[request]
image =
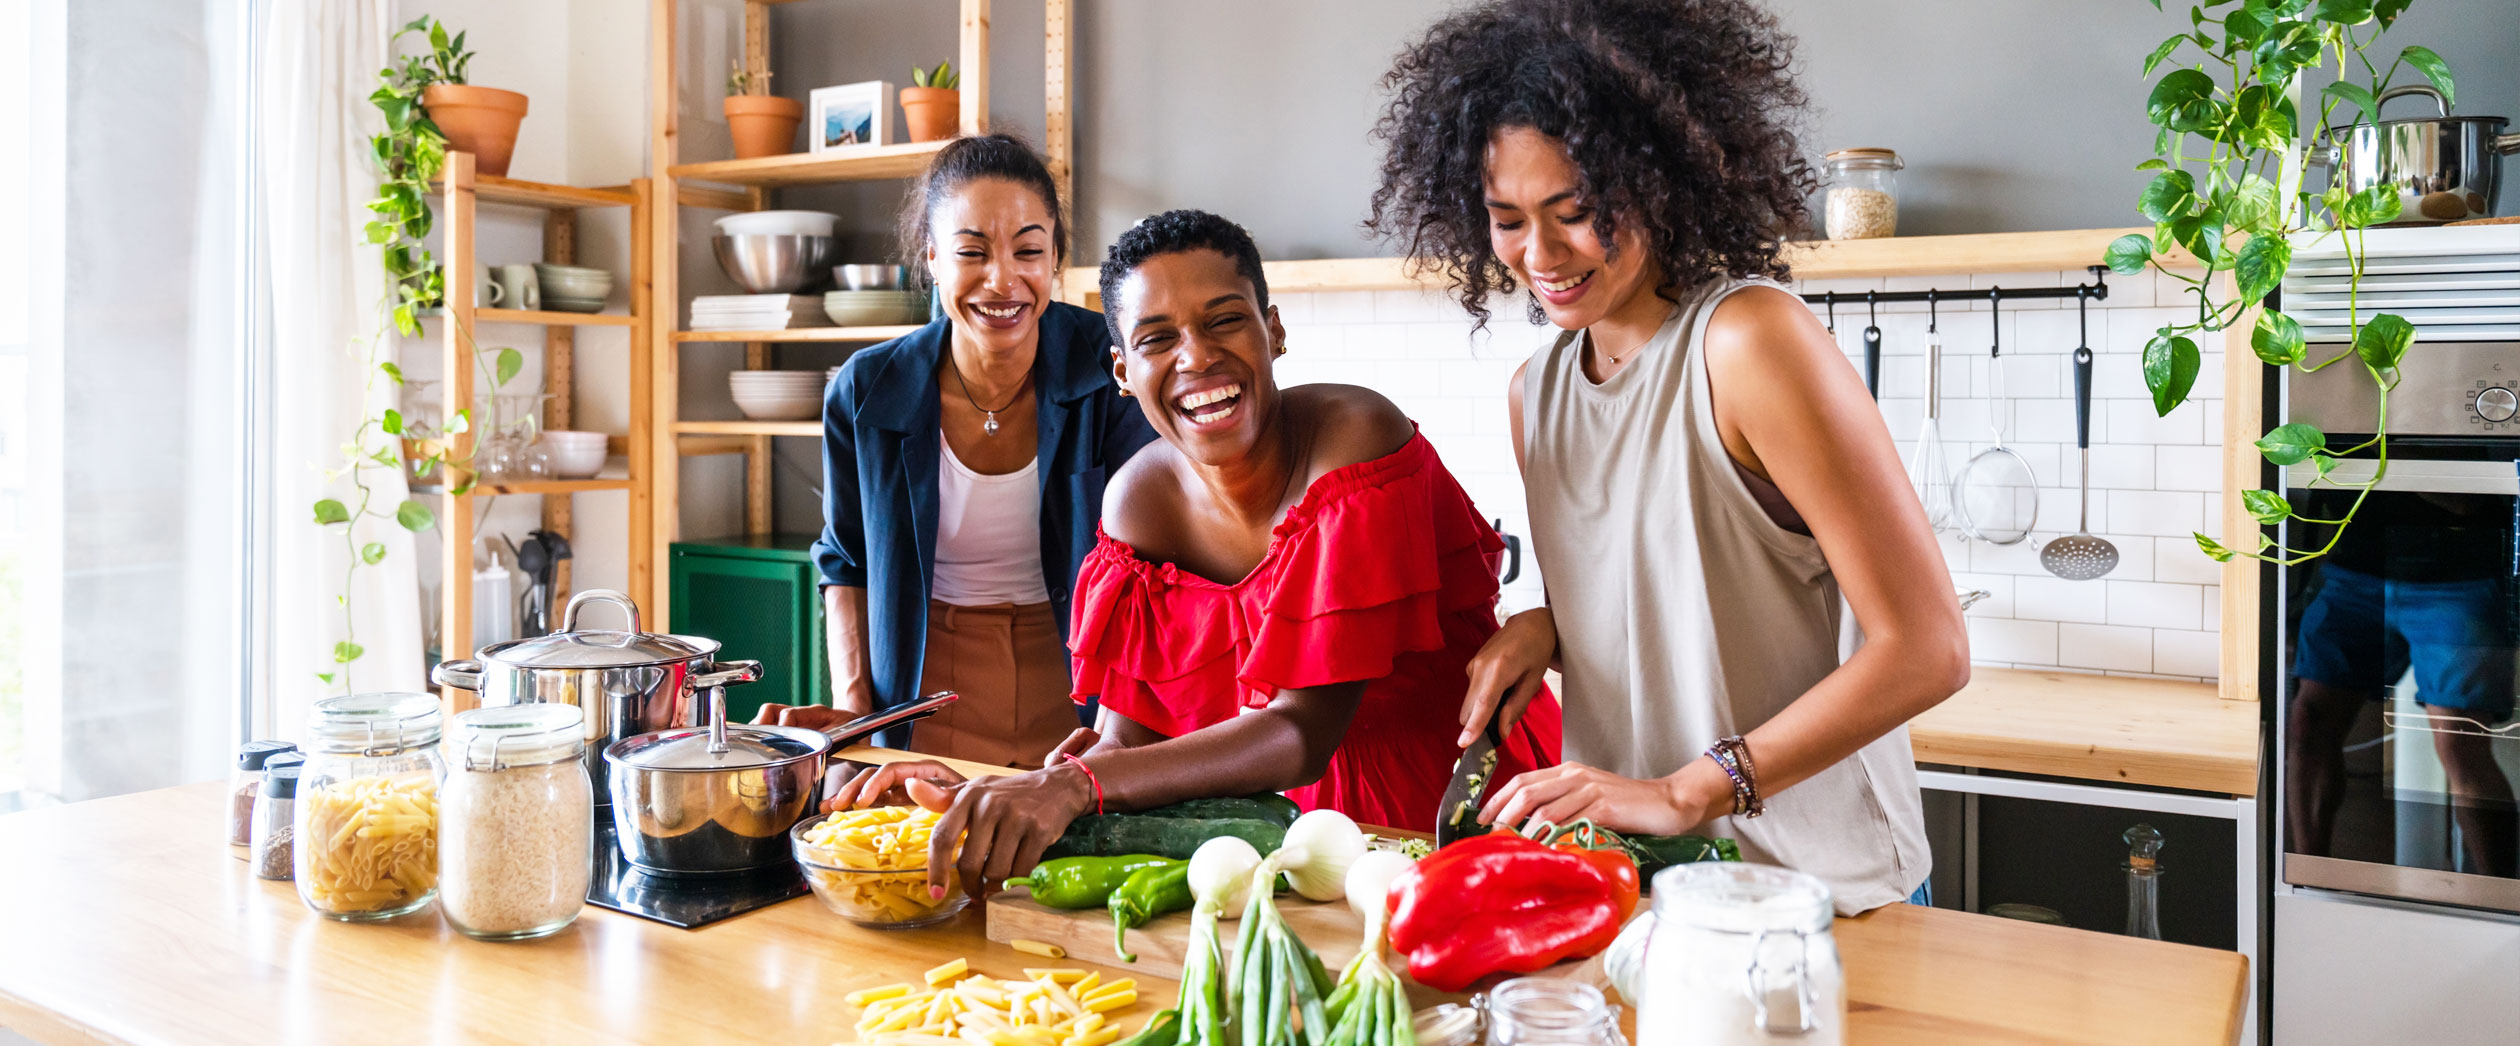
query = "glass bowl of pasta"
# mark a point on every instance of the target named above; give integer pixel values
(870, 867)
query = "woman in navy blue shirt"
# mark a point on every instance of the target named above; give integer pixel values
(963, 472)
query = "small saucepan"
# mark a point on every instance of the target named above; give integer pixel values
(2445, 168)
(721, 798)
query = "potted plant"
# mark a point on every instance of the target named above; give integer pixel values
(763, 124)
(478, 120)
(932, 105)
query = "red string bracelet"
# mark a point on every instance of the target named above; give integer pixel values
(1089, 775)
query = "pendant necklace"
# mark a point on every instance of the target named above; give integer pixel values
(989, 424)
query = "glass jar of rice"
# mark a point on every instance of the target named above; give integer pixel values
(367, 806)
(1863, 193)
(518, 821)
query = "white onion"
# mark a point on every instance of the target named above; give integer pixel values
(1319, 848)
(1220, 875)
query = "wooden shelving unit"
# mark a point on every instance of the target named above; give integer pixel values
(461, 192)
(727, 184)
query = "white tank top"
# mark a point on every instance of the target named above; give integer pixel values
(988, 534)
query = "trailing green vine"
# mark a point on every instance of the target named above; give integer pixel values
(2243, 182)
(409, 155)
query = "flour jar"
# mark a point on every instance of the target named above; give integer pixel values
(1740, 954)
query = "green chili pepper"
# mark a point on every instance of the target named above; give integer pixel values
(1087, 882)
(1149, 892)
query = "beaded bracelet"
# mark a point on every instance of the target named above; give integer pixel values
(1732, 755)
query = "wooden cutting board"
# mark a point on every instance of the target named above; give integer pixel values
(1332, 930)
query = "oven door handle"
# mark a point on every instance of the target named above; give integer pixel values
(2416, 476)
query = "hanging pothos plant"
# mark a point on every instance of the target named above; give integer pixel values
(2230, 192)
(409, 155)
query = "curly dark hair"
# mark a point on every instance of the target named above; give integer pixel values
(959, 163)
(1173, 232)
(1679, 114)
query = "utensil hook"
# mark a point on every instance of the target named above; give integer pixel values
(1872, 308)
(1995, 318)
(1832, 312)
(2082, 317)
(1933, 318)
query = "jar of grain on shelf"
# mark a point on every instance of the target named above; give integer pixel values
(1863, 193)
(517, 821)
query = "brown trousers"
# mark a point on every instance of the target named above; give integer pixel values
(1011, 669)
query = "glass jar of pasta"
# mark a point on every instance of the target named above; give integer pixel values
(367, 806)
(517, 821)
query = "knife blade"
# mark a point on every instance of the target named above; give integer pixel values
(1458, 817)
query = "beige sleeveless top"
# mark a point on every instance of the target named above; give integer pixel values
(1685, 614)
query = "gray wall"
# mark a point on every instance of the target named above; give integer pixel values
(2012, 114)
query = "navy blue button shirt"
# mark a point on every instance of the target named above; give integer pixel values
(881, 440)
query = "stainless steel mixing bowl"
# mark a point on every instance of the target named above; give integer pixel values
(763, 263)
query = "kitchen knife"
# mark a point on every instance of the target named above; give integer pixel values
(1458, 818)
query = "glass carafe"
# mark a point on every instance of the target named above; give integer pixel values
(2143, 881)
(366, 815)
(1741, 953)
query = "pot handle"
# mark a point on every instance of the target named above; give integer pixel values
(727, 673)
(462, 675)
(568, 616)
(2441, 106)
(2507, 144)
(858, 729)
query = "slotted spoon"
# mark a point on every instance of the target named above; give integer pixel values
(2080, 556)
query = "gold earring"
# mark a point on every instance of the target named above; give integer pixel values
(1281, 349)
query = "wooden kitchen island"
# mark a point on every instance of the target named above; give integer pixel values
(125, 920)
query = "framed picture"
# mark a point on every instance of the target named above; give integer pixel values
(851, 115)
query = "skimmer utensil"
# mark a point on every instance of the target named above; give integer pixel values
(1995, 494)
(1928, 470)
(2079, 556)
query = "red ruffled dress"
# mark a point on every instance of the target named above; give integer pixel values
(1385, 573)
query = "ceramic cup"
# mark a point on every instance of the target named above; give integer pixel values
(516, 286)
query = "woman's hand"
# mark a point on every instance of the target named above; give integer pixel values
(1510, 666)
(1004, 823)
(886, 785)
(1660, 806)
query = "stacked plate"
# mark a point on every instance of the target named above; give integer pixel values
(574, 455)
(777, 395)
(755, 312)
(573, 288)
(779, 223)
(876, 308)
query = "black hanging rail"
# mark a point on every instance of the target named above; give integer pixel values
(2097, 289)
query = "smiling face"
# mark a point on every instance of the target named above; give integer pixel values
(1196, 351)
(1542, 229)
(991, 253)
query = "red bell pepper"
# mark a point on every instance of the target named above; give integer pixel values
(1500, 904)
(1607, 852)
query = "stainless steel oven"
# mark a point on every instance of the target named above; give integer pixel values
(2399, 646)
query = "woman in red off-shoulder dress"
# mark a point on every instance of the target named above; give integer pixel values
(1286, 595)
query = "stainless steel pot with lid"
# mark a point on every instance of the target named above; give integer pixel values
(2445, 167)
(721, 798)
(627, 682)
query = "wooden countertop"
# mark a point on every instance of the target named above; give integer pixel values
(126, 921)
(2100, 728)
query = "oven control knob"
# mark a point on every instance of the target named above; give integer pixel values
(2497, 404)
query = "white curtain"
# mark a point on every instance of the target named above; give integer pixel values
(317, 63)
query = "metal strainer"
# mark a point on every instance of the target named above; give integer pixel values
(2079, 556)
(1995, 496)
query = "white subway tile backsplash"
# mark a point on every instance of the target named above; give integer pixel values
(2050, 598)
(1342, 307)
(2111, 647)
(2154, 604)
(2012, 641)
(2156, 513)
(2177, 559)
(2180, 652)
(2188, 468)
(2134, 421)
(2116, 467)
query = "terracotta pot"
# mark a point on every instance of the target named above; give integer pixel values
(478, 120)
(931, 113)
(763, 125)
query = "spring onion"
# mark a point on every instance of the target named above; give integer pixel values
(1370, 1006)
(1319, 848)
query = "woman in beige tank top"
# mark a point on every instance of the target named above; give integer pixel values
(1711, 490)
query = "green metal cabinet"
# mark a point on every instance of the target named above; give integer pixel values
(759, 595)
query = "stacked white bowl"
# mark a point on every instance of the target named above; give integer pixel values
(779, 223)
(777, 395)
(574, 455)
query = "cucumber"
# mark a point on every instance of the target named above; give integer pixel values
(1110, 835)
(1654, 853)
(1265, 806)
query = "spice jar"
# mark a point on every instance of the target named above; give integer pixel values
(275, 821)
(1741, 953)
(367, 807)
(246, 784)
(1548, 1011)
(1863, 193)
(516, 821)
